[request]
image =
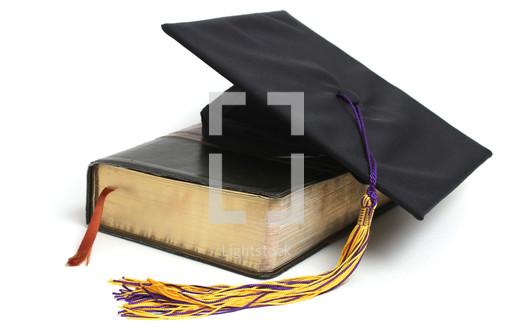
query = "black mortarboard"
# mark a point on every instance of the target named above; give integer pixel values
(420, 157)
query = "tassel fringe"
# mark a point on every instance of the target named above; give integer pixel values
(150, 299)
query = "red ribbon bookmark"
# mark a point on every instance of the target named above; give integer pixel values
(84, 251)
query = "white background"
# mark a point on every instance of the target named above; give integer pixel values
(82, 80)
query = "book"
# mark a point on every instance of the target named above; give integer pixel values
(162, 200)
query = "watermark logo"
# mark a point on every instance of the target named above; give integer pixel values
(296, 102)
(245, 252)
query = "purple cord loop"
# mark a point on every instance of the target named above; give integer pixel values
(372, 164)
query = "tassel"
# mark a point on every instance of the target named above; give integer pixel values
(150, 299)
(84, 251)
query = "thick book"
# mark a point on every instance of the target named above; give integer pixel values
(162, 199)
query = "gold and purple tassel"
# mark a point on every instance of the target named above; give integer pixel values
(150, 299)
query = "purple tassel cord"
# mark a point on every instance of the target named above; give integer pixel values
(372, 163)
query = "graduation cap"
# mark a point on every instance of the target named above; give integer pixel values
(348, 113)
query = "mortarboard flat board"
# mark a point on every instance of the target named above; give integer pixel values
(420, 157)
